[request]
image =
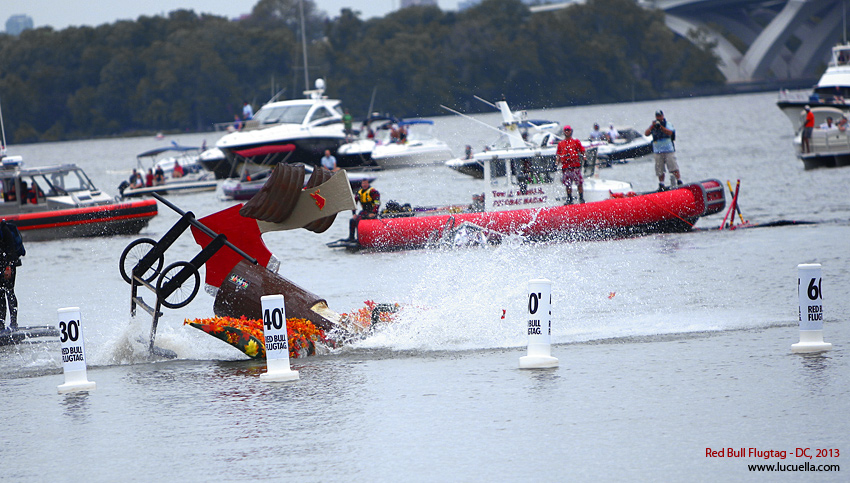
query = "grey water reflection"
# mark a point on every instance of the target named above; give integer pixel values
(815, 371)
(75, 406)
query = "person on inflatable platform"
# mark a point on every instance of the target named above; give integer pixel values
(370, 202)
(570, 153)
(663, 135)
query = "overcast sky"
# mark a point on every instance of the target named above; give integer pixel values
(60, 14)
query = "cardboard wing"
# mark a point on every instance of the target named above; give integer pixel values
(313, 204)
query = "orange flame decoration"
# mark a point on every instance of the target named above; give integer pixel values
(247, 334)
(319, 199)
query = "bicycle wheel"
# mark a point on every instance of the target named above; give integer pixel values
(131, 256)
(175, 279)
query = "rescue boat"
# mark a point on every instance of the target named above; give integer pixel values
(532, 203)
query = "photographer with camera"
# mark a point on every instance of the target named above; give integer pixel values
(663, 135)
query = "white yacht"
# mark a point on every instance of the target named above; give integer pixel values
(298, 129)
(416, 147)
(832, 90)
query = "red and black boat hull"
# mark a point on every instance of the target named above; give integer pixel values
(125, 218)
(661, 212)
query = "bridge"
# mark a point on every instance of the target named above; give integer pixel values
(757, 40)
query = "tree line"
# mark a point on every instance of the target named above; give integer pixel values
(185, 72)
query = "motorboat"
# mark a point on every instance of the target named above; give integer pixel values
(250, 184)
(829, 147)
(414, 145)
(60, 201)
(374, 130)
(832, 90)
(214, 161)
(298, 128)
(165, 160)
(630, 144)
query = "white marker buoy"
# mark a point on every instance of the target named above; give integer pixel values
(73, 352)
(539, 325)
(276, 341)
(811, 309)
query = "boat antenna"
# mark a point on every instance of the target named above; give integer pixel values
(304, 46)
(3, 129)
(480, 122)
(485, 101)
(372, 102)
(276, 96)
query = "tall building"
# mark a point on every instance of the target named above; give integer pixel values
(464, 4)
(18, 23)
(411, 3)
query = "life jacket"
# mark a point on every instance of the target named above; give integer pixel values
(368, 201)
(365, 196)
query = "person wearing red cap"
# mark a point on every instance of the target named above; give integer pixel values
(570, 153)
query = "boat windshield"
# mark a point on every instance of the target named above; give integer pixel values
(282, 114)
(59, 183)
(841, 55)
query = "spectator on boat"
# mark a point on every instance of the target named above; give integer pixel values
(663, 135)
(402, 134)
(370, 202)
(237, 123)
(329, 162)
(158, 176)
(178, 170)
(468, 152)
(136, 180)
(10, 260)
(828, 125)
(149, 178)
(247, 111)
(612, 134)
(25, 192)
(570, 153)
(842, 123)
(596, 134)
(346, 125)
(477, 205)
(808, 126)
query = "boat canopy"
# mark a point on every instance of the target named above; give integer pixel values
(411, 122)
(535, 123)
(174, 147)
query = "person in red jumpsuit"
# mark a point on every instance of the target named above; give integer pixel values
(570, 154)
